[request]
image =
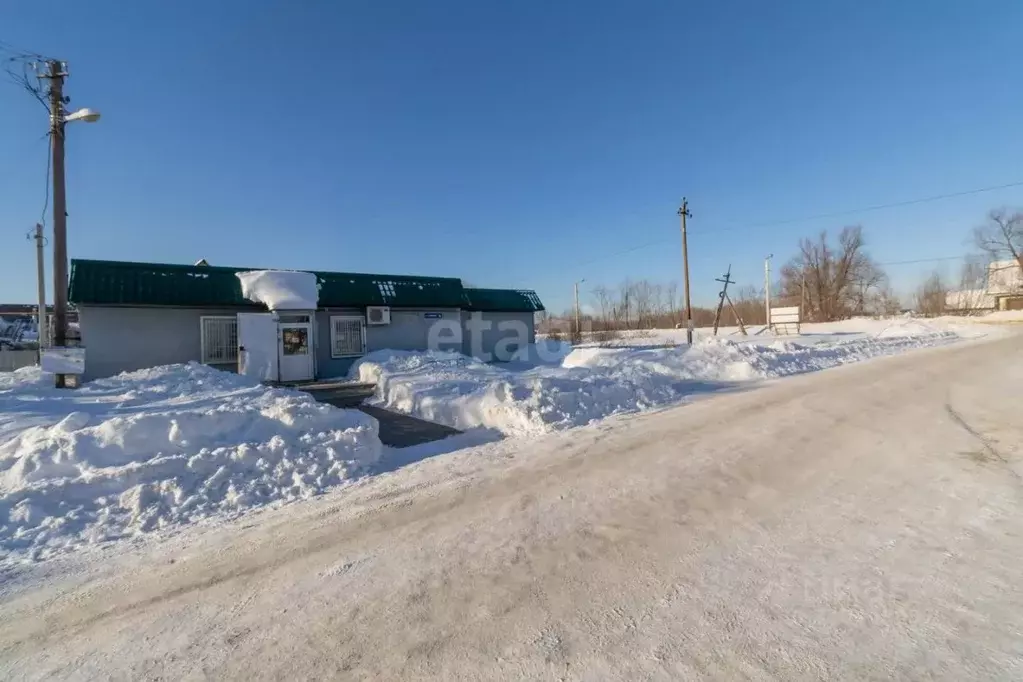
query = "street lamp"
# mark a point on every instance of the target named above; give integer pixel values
(87, 115)
(56, 72)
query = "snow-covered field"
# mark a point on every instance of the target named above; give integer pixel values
(557, 387)
(823, 332)
(133, 455)
(156, 448)
(861, 524)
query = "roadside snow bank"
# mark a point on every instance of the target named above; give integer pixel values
(159, 447)
(593, 383)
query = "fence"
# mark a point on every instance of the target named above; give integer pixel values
(11, 360)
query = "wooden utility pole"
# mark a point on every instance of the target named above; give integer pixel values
(802, 295)
(578, 332)
(738, 320)
(683, 212)
(722, 296)
(41, 285)
(56, 74)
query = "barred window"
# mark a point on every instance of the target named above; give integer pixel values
(347, 336)
(219, 339)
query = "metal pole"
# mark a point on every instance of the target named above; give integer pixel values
(56, 76)
(767, 289)
(41, 285)
(684, 213)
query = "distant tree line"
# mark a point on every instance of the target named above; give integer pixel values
(829, 278)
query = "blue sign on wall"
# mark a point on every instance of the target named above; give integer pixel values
(433, 316)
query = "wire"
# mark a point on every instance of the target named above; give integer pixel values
(868, 209)
(927, 260)
(46, 190)
(17, 52)
(819, 216)
(25, 82)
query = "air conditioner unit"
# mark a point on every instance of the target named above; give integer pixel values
(378, 314)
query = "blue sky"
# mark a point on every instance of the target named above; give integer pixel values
(515, 144)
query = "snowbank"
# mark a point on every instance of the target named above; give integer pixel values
(154, 448)
(281, 289)
(593, 383)
(1003, 316)
(827, 332)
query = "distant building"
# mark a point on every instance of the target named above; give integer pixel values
(1003, 291)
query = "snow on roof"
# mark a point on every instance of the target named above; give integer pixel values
(280, 289)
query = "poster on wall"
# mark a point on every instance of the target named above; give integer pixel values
(61, 360)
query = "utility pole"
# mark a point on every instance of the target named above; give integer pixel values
(55, 74)
(578, 326)
(738, 320)
(722, 296)
(767, 289)
(802, 294)
(683, 212)
(41, 285)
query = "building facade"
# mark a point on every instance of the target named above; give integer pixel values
(138, 315)
(1003, 290)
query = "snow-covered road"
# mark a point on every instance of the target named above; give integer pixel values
(860, 523)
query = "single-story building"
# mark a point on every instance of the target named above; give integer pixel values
(1003, 290)
(138, 315)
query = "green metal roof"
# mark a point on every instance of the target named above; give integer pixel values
(502, 300)
(99, 282)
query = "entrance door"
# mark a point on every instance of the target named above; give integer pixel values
(257, 346)
(296, 348)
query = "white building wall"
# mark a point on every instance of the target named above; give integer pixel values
(1004, 277)
(124, 339)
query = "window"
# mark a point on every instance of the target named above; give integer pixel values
(219, 340)
(295, 341)
(347, 336)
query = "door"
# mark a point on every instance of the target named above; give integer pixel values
(296, 348)
(257, 346)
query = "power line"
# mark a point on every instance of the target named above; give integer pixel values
(928, 260)
(46, 186)
(819, 216)
(23, 80)
(876, 207)
(17, 52)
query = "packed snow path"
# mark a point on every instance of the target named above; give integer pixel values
(860, 523)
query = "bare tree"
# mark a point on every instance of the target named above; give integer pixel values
(883, 302)
(837, 280)
(674, 304)
(1001, 236)
(930, 295)
(972, 293)
(748, 301)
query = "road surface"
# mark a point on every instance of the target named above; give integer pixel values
(859, 523)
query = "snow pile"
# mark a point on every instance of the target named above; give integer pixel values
(280, 289)
(593, 383)
(159, 447)
(1003, 316)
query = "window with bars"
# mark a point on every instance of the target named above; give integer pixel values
(347, 336)
(219, 339)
